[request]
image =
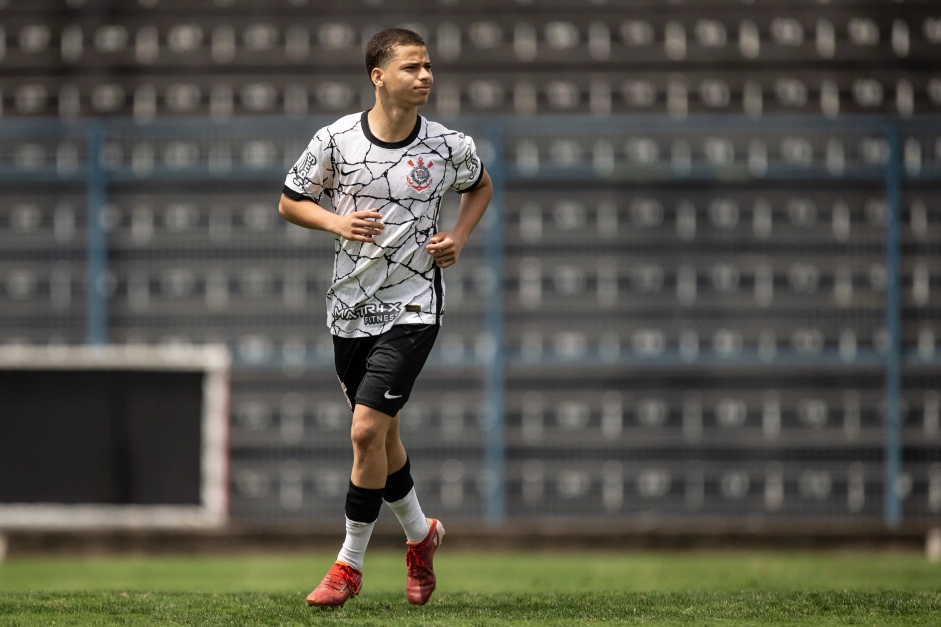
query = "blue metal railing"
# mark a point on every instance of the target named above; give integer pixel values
(97, 240)
(893, 323)
(495, 380)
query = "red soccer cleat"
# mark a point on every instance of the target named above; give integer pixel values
(341, 582)
(421, 580)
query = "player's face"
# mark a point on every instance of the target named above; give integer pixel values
(407, 77)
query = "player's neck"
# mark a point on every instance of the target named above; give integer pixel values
(392, 124)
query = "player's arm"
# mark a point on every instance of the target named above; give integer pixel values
(360, 226)
(447, 247)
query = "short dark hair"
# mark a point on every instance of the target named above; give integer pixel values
(381, 47)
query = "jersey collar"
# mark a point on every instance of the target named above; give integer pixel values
(364, 121)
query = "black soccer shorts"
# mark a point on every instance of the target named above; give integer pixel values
(379, 371)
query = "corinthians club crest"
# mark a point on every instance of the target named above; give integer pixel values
(420, 176)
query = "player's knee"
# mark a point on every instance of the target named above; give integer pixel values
(367, 437)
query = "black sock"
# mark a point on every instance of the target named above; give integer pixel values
(363, 504)
(399, 483)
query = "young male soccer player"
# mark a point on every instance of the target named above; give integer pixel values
(385, 171)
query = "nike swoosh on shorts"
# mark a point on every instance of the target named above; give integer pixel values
(391, 396)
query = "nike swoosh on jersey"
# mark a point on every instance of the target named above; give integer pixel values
(348, 171)
(391, 396)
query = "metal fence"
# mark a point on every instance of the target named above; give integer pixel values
(709, 318)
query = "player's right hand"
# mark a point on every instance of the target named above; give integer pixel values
(361, 226)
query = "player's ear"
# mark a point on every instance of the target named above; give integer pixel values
(376, 76)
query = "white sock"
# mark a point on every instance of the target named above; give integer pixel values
(412, 519)
(354, 546)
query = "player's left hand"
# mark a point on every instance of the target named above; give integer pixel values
(445, 248)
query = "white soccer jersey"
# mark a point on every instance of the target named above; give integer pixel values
(395, 280)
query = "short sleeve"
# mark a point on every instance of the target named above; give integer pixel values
(469, 168)
(311, 177)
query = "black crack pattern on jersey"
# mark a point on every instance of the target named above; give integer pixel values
(372, 283)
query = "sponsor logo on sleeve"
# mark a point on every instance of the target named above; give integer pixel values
(302, 169)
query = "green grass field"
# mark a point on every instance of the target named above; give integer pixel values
(697, 588)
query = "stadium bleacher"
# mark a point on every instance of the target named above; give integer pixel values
(694, 306)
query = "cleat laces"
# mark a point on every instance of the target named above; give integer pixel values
(414, 561)
(339, 576)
